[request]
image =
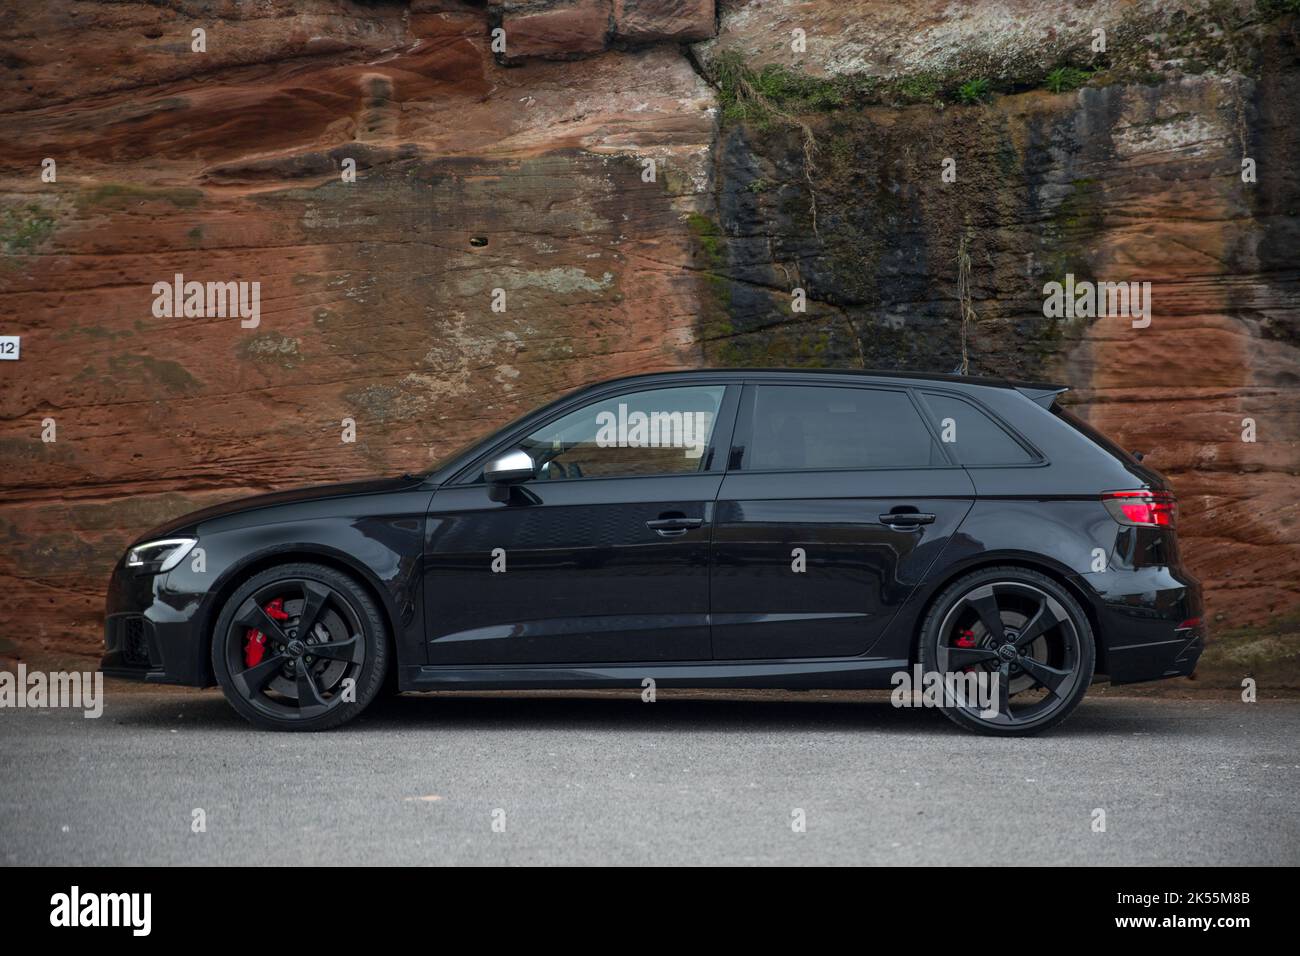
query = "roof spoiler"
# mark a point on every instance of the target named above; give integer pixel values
(1043, 395)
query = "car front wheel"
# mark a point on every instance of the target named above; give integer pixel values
(300, 647)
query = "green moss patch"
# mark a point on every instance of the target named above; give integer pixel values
(121, 195)
(24, 228)
(1268, 652)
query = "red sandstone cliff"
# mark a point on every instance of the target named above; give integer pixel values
(524, 169)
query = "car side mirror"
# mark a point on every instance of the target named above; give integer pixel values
(509, 468)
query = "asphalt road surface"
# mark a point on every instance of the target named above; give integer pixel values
(606, 779)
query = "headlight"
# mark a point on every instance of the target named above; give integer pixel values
(156, 557)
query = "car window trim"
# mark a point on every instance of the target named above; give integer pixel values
(470, 474)
(1036, 458)
(744, 428)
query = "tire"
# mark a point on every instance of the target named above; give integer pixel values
(956, 639)
(296, 680)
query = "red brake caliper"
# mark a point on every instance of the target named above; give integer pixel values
(255, 642)
(966, 639)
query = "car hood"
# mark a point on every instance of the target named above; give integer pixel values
(347, 489)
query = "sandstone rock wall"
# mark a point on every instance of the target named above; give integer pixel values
(776, 164)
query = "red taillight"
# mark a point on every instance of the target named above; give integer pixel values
(1152, 509)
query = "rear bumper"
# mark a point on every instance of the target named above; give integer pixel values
(1175, 657)
(1152, 623)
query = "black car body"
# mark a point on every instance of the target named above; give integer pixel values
(565, 579)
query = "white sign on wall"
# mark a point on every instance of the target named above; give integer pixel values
(9, 346)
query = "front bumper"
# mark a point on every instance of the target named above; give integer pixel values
(150, 633)
(131, 649)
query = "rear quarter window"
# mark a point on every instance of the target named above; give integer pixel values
(1096, 437)
(972, 435)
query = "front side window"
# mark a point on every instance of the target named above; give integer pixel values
(798, 427)
(661, 432)
(976, 438)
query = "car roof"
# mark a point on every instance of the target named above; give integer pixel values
(783, 373)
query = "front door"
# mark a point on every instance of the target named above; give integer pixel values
(837, 500)
(602, 557)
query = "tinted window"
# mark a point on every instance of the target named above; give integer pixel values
(976, 438)
(808, 426)
(1079, 425)
(661, 432)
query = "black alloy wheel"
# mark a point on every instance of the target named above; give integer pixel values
(1014, 649)
(300, 647)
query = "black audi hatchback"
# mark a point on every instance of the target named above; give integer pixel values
(787, 529)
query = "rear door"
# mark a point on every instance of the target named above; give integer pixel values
(837, 499)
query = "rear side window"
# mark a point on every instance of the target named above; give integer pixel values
(975, 437)
(814, 427)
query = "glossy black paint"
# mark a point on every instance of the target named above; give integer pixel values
(594, 595)
(586, 579)
(860, 570)
(374, 530)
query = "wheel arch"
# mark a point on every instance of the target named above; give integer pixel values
(257, 563)
(1057, 572)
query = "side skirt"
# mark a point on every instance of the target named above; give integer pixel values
(865, 673)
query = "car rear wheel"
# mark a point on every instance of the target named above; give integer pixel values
(300, 647)
(1013, 648)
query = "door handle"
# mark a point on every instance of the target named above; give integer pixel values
(906, 519)
(672, 527)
